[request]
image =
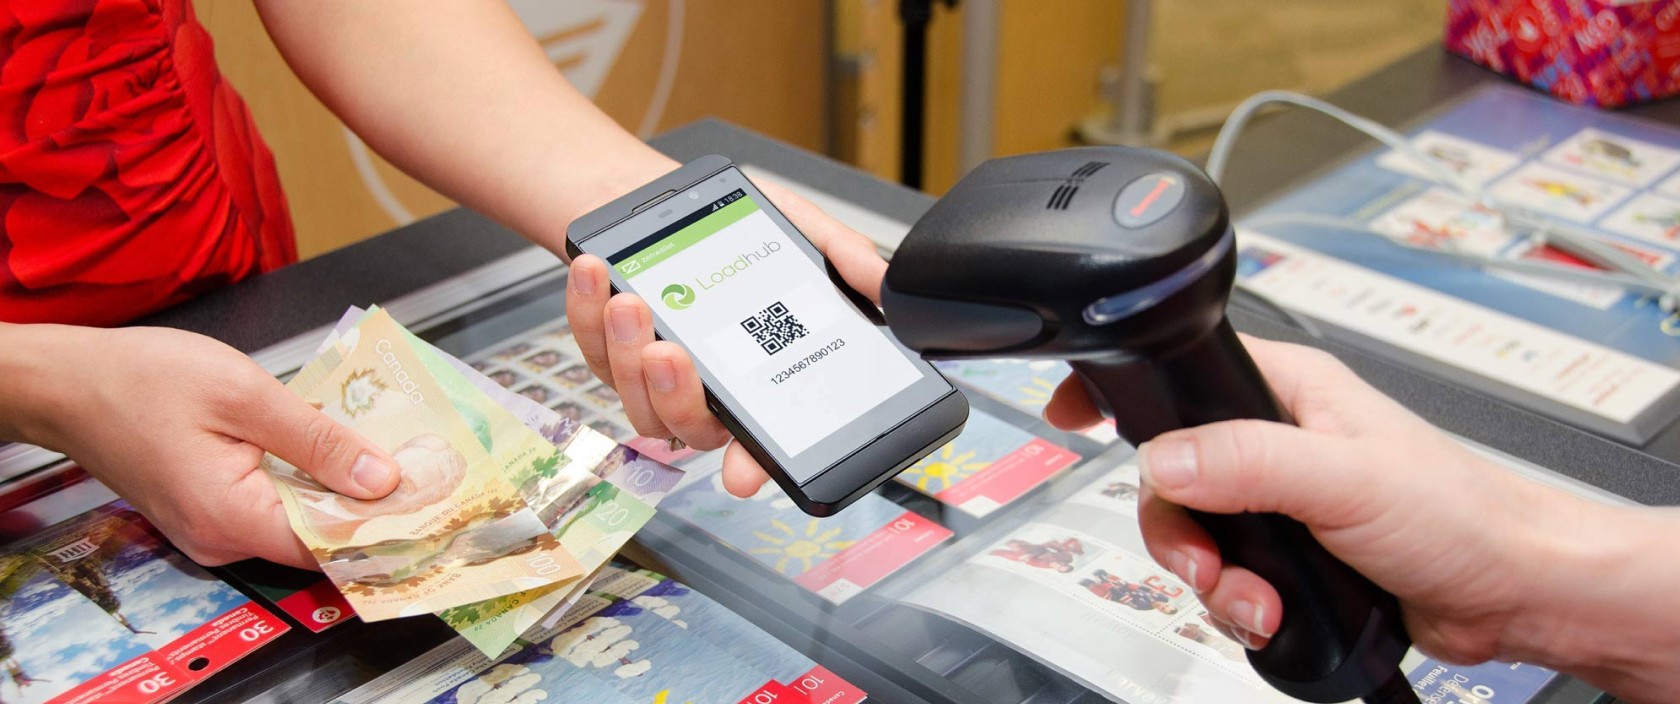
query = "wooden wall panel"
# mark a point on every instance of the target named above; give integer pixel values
(1049, 56)
(868, 45)
(758, 63)
(943, 129)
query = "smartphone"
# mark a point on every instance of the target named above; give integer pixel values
(797, 365)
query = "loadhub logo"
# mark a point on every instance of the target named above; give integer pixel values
(739, 264)
(677, 297)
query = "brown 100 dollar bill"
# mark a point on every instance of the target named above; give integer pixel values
(455, 531)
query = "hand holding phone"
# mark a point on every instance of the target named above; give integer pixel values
(679, 408)
(834, 430)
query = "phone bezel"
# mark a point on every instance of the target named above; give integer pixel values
(855, 457)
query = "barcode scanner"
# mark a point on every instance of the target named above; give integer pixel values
(1121, 261)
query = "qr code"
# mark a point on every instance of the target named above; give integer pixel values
(774, 328)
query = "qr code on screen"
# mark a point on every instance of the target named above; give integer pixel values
(774, 328)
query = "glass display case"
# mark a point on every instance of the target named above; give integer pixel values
(1006, 568)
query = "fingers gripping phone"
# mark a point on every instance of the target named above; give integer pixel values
(798, 366)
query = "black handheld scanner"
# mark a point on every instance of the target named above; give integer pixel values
(1121, 261)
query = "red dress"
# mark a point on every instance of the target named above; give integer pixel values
(131, 175)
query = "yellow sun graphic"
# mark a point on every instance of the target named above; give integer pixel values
(1036, 393)
(358, 392)
(944, 469)
(796, 551)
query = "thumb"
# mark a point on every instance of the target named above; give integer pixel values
(858, 262)
(336, 456)
(1262, 467)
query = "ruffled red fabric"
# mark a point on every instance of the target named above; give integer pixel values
(131, 174)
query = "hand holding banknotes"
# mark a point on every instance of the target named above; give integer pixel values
(1487, 564)
(177, 424)
(483, 506)
(506, 507)
(662, 393)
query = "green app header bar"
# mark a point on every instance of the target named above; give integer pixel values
(686, 237)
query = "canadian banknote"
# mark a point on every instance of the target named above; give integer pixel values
(455, 531)
(591, 518)
(593, 496)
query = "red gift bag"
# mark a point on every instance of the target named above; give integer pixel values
(1602, 53)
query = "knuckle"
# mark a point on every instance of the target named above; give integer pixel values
(1245, 451)
(584, 319)
(607, 380)
(691, 416)
(600, 366)
(667, 352)
(228, 382)
(645, 420)
(626, 368)
(220, 359)
(623, 301)
(648, 427)
(707, 435)
(576, 299)
(323, 439)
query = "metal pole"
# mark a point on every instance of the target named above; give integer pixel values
(1130, 88)
(915, 16)
(979, 83)
(1135, 112)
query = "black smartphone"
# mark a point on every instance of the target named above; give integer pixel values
(797, 365)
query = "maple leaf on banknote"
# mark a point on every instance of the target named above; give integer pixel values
(546, 466)
(359, 391)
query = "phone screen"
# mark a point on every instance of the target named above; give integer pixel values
(763, 318)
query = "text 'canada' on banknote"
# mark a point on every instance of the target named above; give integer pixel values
(455, 531)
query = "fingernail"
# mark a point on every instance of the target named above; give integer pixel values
(661, 375)
(1184, 568)
(1243, 638)
(626, 326)
(583, 283)
(370, 473)
(1250, 617)
(1168, 463)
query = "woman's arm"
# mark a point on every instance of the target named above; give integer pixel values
(24, 352)
(458, 94)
